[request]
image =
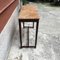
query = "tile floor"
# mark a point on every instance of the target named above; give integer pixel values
(48, 44)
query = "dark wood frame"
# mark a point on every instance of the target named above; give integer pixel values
(28, 20)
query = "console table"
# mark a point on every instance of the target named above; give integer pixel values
(28, 13)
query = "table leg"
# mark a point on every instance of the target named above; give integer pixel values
(37, 23)
(28, 36)
(20, 34)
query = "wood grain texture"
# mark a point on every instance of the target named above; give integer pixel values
(4, 4)
(5, 15)
(29, 12)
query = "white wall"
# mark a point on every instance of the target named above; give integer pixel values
(7, 34)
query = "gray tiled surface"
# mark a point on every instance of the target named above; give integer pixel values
(50, 19)
(48, 45)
